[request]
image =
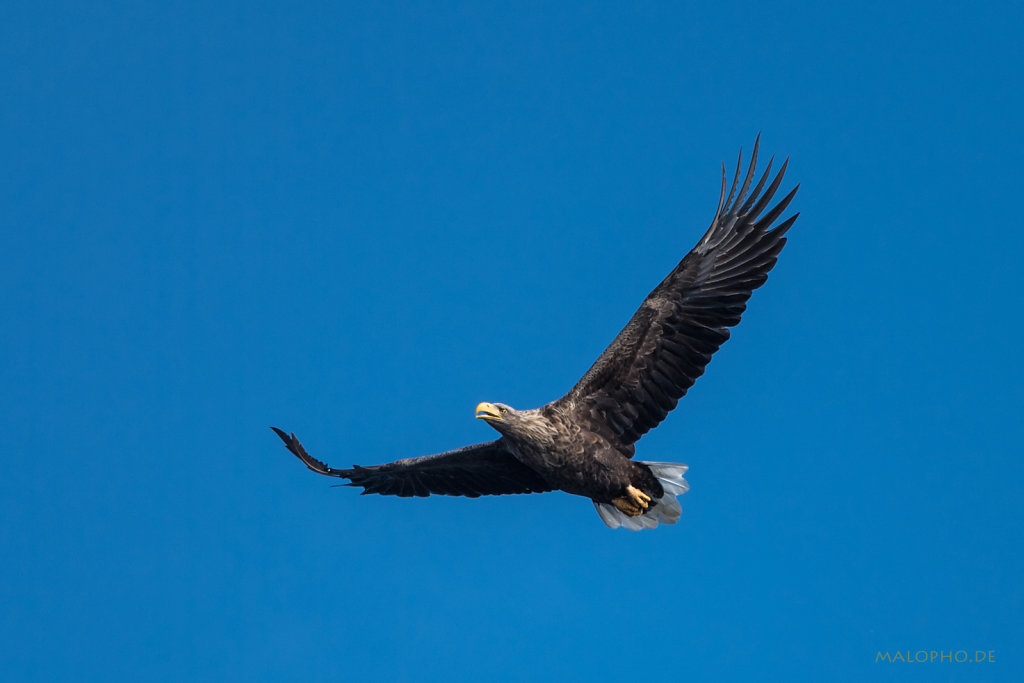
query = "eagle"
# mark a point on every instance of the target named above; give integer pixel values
(584, 442)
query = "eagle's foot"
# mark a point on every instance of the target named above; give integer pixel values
(635, 503)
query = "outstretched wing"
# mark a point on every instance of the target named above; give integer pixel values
(486, 469)
(669, 340)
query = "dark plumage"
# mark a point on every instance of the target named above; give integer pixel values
(584, 442)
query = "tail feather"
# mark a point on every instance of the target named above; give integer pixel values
(667, 511)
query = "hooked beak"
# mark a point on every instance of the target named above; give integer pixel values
(487, 411)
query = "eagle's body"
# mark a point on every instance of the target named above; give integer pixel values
(584, 442)
(575, 460)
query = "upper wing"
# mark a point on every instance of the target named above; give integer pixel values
(486, 469)
(669, 340)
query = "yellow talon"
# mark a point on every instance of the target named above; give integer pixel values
(641, 499)
(625, 505)
(635, 503)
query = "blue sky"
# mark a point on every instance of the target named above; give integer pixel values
(358, 222)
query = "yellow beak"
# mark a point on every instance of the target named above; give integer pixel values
(487, 411)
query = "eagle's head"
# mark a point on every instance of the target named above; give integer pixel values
(519, 424)
(500, 416)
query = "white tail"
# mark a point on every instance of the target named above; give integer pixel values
(667, 511)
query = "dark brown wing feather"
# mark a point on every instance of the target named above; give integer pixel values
(486, 469)
(667, 344)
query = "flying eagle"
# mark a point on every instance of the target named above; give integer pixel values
(583, 443)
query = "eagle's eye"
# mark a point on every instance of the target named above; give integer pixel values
(504, 411)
